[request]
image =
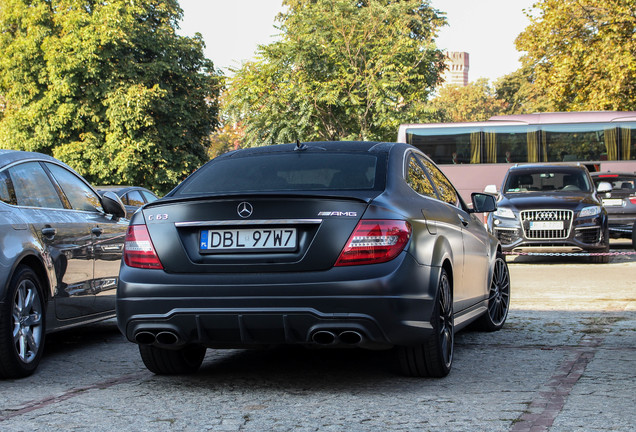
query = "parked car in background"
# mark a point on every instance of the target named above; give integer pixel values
(550, 208)
(620, 201)
(133, 197)
(327, 244)
(60, 256)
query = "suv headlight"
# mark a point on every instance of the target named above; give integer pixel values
(589, 211)
(504, 212)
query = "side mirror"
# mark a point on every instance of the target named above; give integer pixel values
(491, 189)
(604, 187)
(483, 203)
(113, 205)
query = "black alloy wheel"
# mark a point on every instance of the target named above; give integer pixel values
(22, 325)
(434, 358)
(185, 360)
(498, 296)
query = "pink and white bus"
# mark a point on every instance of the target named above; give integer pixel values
(476, 154)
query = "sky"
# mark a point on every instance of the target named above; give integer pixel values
(486, 29)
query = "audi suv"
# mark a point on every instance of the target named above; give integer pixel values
(550, 209)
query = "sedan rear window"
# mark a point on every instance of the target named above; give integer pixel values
(618, 182)
(298, 171)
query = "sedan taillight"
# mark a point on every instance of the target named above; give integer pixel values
(138, 249)
(632, 200)
(375, 241)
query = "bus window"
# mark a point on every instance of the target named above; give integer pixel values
(580, 142)
(446, 145)
(628, 141)
(507, 144)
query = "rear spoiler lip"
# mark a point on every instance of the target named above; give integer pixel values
(344, 195)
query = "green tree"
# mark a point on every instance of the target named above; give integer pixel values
(474, 102)
(106, 86)
(581, 53)
(520, 93)
(342, 69)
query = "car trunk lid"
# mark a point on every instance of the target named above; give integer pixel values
(252, 233)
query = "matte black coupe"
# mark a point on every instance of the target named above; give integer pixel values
(326, 244)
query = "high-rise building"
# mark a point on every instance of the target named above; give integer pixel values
(457, 72)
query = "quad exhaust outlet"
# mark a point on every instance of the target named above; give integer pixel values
(160, 336)
(345, 337)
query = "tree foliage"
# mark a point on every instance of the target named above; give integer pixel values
(106, 86)
(520, 93)
(475, 102)
(581, 53)
(342, 69)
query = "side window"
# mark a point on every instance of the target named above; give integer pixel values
(33, 187)
(135, 199)
(417, 179)
(79, 194)
(444, 187)
(149, 197)
(7, 194)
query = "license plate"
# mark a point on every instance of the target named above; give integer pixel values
(613, 202)
(546, 225)
(248, 240)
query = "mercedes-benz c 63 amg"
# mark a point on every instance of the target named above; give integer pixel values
(320, 244)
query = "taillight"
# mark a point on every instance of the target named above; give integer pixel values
(375, 241)
(138, 249)
(632, 200)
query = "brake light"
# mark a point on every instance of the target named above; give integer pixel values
(375, 241)
(138, 249)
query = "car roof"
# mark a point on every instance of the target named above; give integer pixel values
(613, 173)
(8, 157)
(552, 166)
(315, 146)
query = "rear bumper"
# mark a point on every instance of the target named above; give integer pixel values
(371, 306)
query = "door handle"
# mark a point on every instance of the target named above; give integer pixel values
(49, 232)
(97, 231)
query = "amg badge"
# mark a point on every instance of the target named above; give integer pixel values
(337, 213)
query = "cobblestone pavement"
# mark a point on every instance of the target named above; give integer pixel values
(565, 361)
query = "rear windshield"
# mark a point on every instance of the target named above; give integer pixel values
(617, 181)
(298, 171)
(547, 181)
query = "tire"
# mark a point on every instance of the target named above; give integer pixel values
(434, 357)
(22, 325)
(181, 361)
(498, 296)
(603, 259)
(634, 236)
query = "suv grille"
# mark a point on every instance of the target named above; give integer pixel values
(546, 224)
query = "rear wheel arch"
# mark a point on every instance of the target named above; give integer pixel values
(36, 264)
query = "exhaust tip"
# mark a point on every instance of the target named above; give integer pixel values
(323, 337)
(144, 338)
(350, 337)
(167, 338)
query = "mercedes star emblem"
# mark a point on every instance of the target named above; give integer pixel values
(245, 209)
